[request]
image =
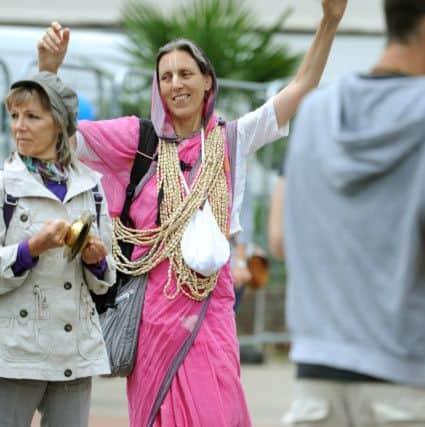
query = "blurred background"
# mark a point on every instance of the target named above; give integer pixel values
(255, 47)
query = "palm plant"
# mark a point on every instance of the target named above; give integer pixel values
(225, 29)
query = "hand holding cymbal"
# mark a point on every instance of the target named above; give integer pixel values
(77, 236)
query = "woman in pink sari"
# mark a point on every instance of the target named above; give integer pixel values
(200, 161)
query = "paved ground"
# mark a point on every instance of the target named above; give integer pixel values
(268, 388)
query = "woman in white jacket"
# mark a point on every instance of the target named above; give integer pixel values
(50, 338)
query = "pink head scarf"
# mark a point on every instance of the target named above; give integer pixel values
(159, 112)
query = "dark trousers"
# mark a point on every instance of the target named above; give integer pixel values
(60, 403)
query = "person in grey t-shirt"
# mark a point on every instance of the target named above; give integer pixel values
(354, 239)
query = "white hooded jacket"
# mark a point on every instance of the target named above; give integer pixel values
(49, 327)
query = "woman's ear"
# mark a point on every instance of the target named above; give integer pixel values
(208, 83)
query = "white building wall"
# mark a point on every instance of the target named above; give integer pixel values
(362, 15)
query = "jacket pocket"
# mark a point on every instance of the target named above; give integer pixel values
(90, 339)
(25, 340)
(306, 410)
(5, 323)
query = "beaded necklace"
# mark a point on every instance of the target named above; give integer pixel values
(176, 210)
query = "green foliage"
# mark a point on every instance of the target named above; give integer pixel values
(225, 29)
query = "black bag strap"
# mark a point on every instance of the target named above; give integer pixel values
(98, 199)
(9, 206)
(148, 142)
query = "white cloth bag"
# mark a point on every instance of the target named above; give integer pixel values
(204, 247)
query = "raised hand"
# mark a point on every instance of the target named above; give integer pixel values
(51, 236)
(334, 9)
(310, 71)
(94, 251)
(52, 47)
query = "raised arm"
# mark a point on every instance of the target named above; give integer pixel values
(52, 48)
(308, 76)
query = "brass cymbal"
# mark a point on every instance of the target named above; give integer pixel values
(77, 236)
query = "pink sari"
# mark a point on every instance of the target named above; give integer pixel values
(206, 390)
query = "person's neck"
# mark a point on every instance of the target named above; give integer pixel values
(186, 128)
(401, 59)
(46, 159)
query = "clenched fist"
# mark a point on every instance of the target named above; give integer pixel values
(94, 251)
(52, 47)
(334, 9)
(51, 236)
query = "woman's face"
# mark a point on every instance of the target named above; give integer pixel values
(182, 85)
(33, 128)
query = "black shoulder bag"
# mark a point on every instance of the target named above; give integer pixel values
(120, 310)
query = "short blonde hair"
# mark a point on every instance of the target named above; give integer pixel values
(21, 94)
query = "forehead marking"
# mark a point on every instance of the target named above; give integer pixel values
(172, 65)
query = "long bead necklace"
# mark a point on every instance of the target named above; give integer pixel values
(177, 207)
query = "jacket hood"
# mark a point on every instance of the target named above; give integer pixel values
(374, 123)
